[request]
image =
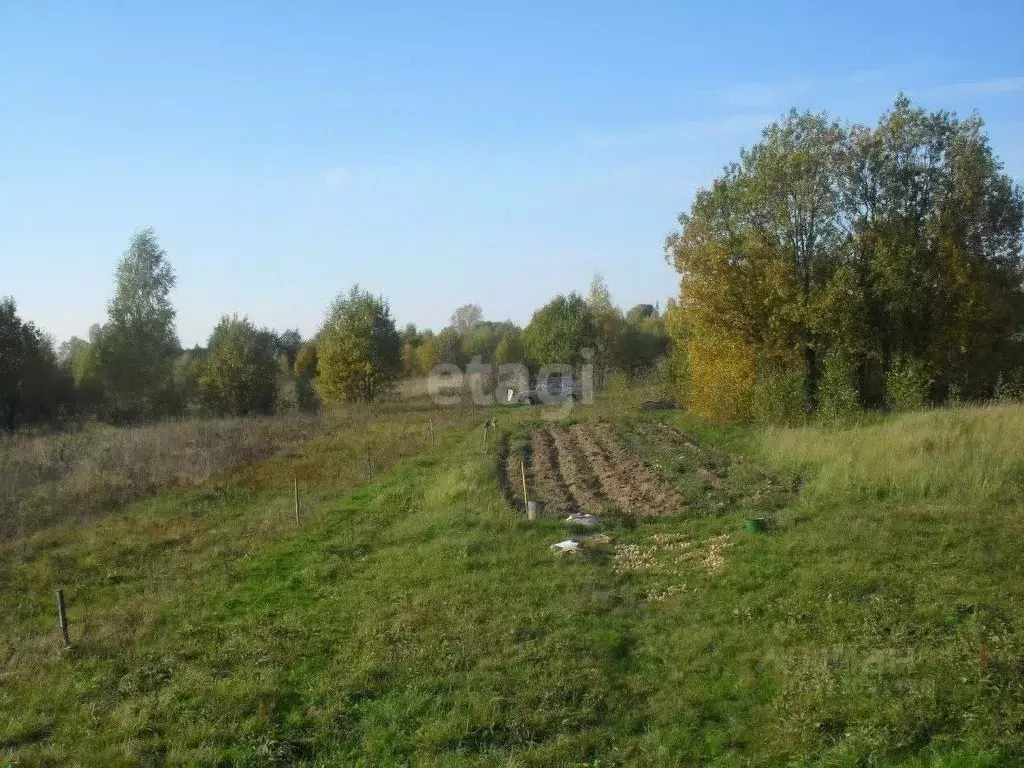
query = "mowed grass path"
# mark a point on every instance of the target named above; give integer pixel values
(417, 620)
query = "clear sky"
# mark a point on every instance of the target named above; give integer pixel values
(436, 153)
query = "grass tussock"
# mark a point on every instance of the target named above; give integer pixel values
(965, 455)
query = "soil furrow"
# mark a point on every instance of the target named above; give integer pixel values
(660, 496)
(577, 483)
(615, 486)
(550, 486)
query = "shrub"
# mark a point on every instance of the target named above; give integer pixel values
(721, 378)
(838, 400)
(240, 374)
(955, 395)
(1009, 388)
(906, 385)
(779, 397)
(670, 377)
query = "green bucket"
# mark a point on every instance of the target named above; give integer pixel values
(756, 525)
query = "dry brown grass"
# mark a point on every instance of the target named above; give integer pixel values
(77, 476)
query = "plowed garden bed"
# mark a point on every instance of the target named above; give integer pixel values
(630, 469)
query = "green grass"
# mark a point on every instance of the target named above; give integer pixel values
(418, 620)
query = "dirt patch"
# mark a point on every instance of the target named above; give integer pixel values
(549, 485)
(579, 480)
(625, 479)
(584, 469)
(615, 486)
(659, 495)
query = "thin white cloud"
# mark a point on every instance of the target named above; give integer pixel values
(758, 95)
(787, 93)
(677, 132)
(984, 87)
(337, 178)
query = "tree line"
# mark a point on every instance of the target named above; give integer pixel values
(834, 267)
(132, 368)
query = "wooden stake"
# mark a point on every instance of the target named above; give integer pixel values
(369, 466)
(431, 431)
(485, 438)
(62, 616)
(296, 501)
(522, 469)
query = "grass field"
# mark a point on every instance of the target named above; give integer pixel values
(416, 618)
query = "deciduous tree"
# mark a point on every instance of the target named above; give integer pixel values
(358, 350)
(138, 344)
(240, 373)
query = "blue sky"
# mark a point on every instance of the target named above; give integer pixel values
(436, 153)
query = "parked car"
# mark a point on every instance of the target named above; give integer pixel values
(551, 390)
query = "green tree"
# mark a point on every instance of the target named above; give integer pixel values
(560, 331)
(510, 349)
(641, 312)
(886, 243)
(411, 336)
(608, 328)
(936, 235)
(466, 318)
(240, 374)
(137, 346)
(288, 344)
(305, 372)
(358, 350)
(78, 358)
(448, 346)
(426, 353)
(186, 373)
(483, 340)
(643, 342)
(838, 398)
(907, 385)
(33, 388)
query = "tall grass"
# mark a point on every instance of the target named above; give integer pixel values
(76, 476)
(963, 455)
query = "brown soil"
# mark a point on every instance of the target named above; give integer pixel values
(549, 485)
(630, 483)
(577, 480)
(659, 495)
(615, 485)
(587, 468)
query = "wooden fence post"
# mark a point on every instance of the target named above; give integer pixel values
(62, 617)
(296, 501)
(522, 469)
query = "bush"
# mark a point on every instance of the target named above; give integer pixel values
(722, 373)
(670, 377)
(955, 395)
(838, 400)
(779, 397)
(240, 374)
(1009, 388)
(906, 386)
(616, 387)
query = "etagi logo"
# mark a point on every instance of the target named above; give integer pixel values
(559, 386)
